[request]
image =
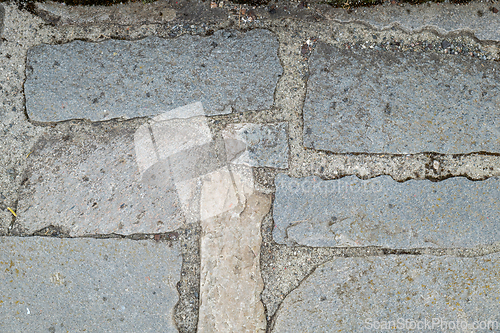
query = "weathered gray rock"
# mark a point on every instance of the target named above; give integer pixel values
(2, 15)
(455, 212)
(226, 71)
(257, 145)
(474, 17)
(88, 181)
(365, 294)
(91, 285)
(125, 14)
(389, 102)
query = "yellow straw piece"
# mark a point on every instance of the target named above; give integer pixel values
(13, 212)
(29, 154)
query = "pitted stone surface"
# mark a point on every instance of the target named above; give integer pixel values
(226, 71)
(88, 182)
(385, 102)
(124, 14)
(258, 145)
(2, 15)
(455, 212)
(363, 294)
(474, 17)
(91, 285)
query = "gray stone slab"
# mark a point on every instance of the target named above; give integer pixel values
(349, 211)
(124, 14)
(228, 71)
(390, 102)
(87, 181)
(364, 294)
(266, 144)
(474, 17)
(2, 16)
(91, 285)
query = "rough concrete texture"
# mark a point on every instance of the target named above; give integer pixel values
(373, 102)
(131, 13)
(91, 285)
(87, 181)
(126, 14)
(298, 27)
(2, 14)
(116, 78)
(478, 18)
(266, 145)
(24, 31)
(364, 294)
(455, 212)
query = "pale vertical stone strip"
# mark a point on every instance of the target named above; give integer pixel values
(231, 283)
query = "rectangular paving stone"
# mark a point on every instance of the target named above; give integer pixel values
(228, 71)
(123, 13)
(88, 181)
(91, 285)
(475, 17)
(455, 212)
(230, 282)
(367, 101)
(259, 145)
(396, 294)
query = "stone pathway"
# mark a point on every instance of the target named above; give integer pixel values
(185, 167)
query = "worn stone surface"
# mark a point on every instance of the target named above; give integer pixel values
(91, 285)
(394, 102)
(231, 282)
(475, 17)
(2, 15)
(283, 267)
(130, 13)
(455, 212)
(87, 181)
(357, 294)
(226, 71)
(150, 178)
(266, 144)
(167, 12)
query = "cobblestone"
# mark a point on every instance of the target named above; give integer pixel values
(117, 78)
(368, 294)
(382, 212)
(364, 101)
(91, 285)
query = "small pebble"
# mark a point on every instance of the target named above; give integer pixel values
(445, 44)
